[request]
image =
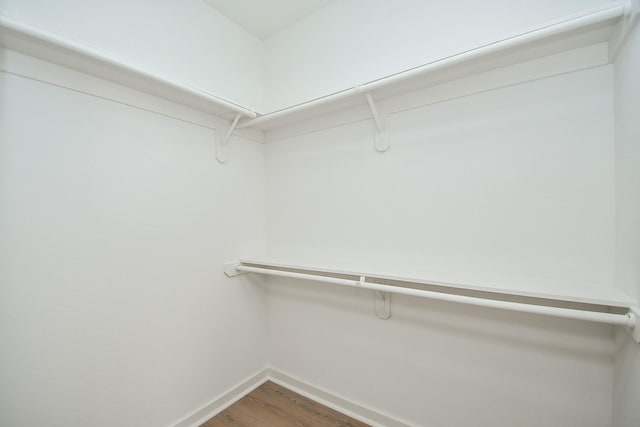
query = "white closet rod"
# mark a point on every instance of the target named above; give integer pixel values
(25, 31)
(607, 13)
(627, 320)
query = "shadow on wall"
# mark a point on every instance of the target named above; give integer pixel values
(581, 341)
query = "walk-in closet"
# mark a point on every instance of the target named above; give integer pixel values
(319, 213)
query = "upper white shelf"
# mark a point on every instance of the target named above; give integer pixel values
(20, 37)
(594, 26)
(556, 290)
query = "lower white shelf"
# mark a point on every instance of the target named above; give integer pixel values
(616, 308)
(558, 290)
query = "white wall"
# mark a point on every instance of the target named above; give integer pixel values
(517, 181)
(114, 224)
(437, 364)
(351, 42)
(185, 40)
(627, 379)
(627, 129)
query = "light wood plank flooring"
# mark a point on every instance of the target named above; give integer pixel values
(271, 405)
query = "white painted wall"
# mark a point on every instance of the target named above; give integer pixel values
(351, 42)
(627, 107)
(185, 40)
(437, 364)
(516, 181)
(627, 129)
(114, 223)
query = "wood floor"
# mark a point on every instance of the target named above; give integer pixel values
(271, 405)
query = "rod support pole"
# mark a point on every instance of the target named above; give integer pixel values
(222, 153)
(381, 141)
(374, 113)
(234, 124)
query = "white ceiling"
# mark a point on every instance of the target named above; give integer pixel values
(264, 18)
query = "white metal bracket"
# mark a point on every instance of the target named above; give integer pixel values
(381, 141)
(383, 305)
(382, 301)
(634, 328)
(230, 268)
(628, 20)
(222, 149)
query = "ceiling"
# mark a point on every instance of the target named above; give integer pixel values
(264, 18)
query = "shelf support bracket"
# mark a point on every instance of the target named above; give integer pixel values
(230, 268)
(383, 305)
(222, 149)
(381, 142)
(633, 326)
(382, 301)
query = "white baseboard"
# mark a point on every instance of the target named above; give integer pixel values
(354, 410)
(338, 403)
(220, 403)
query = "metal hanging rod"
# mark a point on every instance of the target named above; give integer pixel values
(627, 320)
